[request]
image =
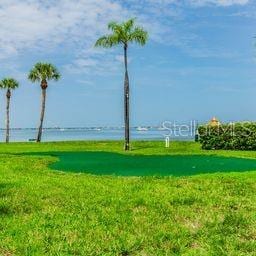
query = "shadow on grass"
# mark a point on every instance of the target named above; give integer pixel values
(4, 192)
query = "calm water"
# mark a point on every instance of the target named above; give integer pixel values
(69, 134)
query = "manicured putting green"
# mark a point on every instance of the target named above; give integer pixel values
(105, 163)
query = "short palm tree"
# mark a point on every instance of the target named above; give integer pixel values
(124, 34)
(43, 72)
(9, 84)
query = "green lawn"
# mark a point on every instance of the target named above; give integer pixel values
(48, 212)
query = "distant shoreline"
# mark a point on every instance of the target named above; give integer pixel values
(83, 128)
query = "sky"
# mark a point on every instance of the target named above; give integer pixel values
(199, 62)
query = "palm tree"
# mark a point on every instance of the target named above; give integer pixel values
(124, 34)
(8, 84)
(43, 72)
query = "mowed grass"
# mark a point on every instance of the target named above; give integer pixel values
(47, 212)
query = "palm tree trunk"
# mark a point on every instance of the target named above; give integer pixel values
(8, 97)
(40, 129)
(126, 102)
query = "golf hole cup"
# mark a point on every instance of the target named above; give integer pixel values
(167, 141)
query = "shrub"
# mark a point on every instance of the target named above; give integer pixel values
(236, 136)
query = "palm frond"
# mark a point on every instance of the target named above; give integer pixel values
(9, 83)
(43, 71)
(107, 41)
(112, 25)
(139, 35)
(128, 25)
(123, 33)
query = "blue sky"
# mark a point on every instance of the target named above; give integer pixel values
(199, 61)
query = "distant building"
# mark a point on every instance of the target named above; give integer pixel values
(214, 122)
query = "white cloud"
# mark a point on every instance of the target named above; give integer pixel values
(32, 26)
(219, 2)
(35, 24)
(157, 4)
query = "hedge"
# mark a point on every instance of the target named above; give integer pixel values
(236, 136)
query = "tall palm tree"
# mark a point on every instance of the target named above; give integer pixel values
(9, 84)
(124, 34)
(43, 72)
